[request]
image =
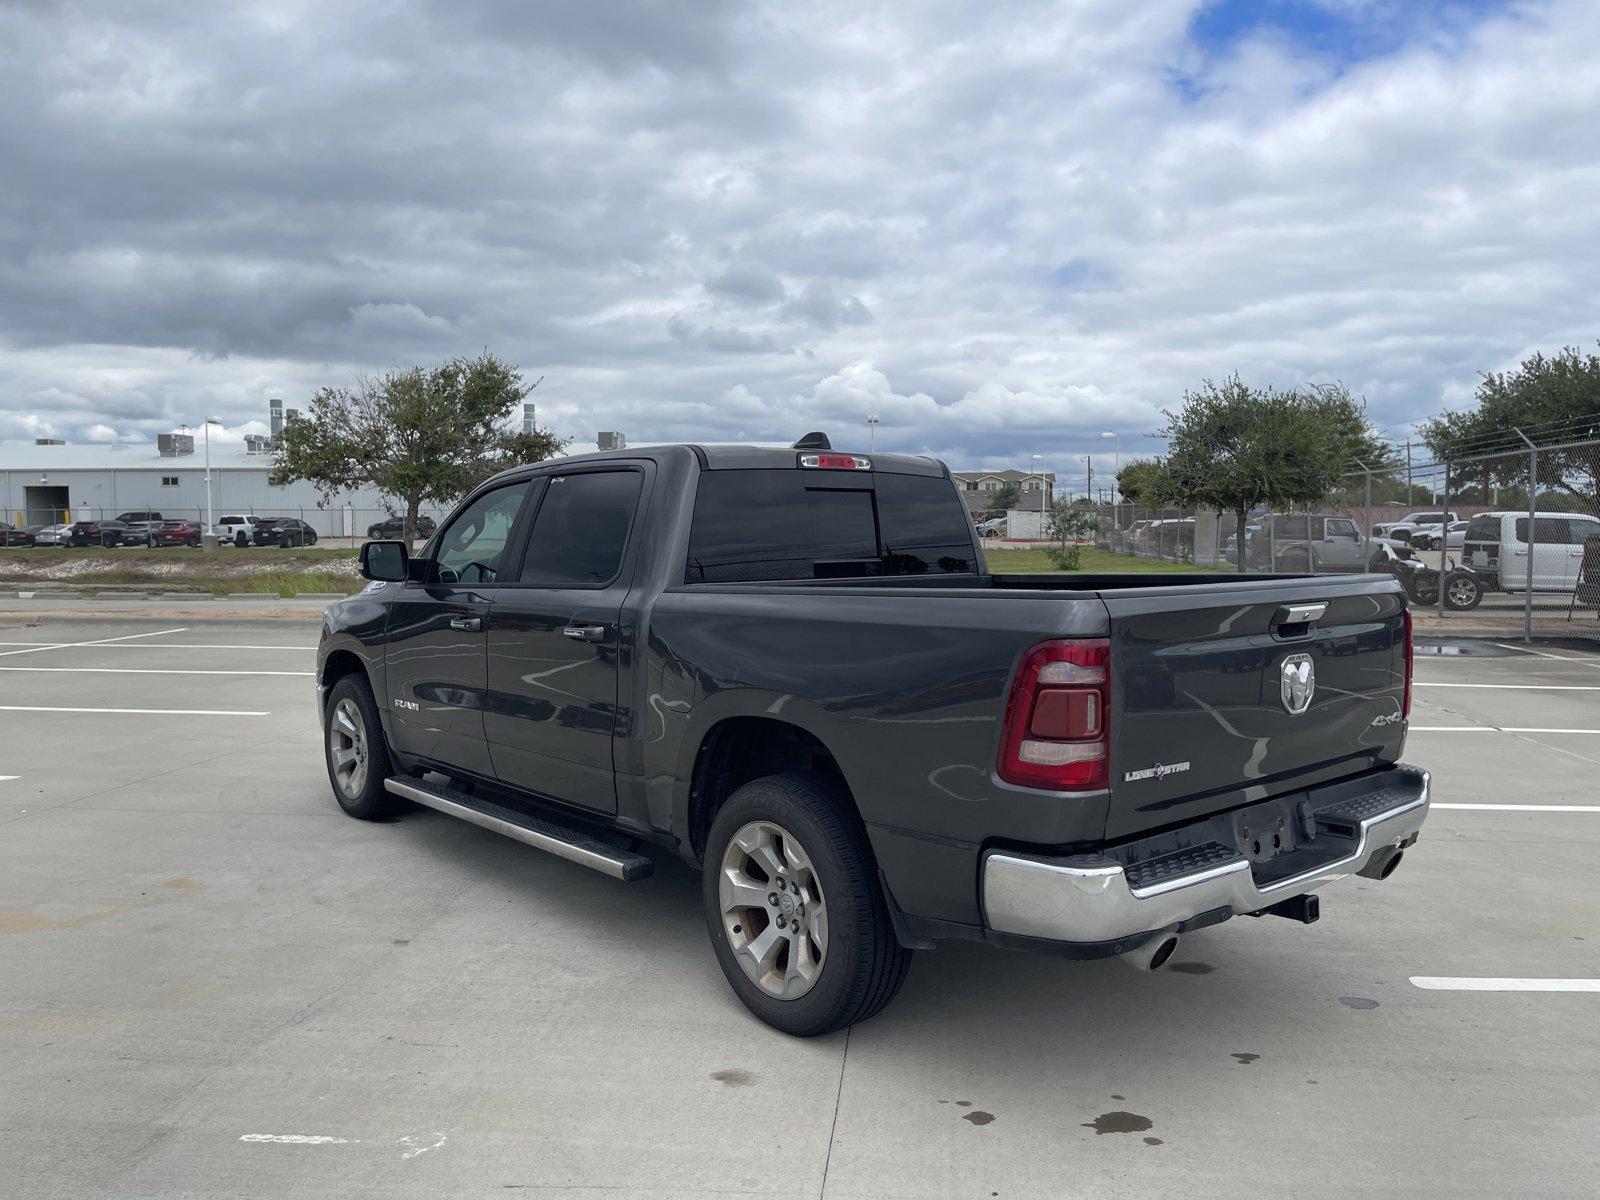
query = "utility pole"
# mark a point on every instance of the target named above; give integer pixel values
(1088, 477)
(872, 432)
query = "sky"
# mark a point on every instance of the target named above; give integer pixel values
(1002, 229)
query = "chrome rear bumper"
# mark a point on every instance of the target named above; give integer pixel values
(1091, 900)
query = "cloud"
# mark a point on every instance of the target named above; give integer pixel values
(1003, 229)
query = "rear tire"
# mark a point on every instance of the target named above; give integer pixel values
(240, 541)
(859, 965)
(356, 755)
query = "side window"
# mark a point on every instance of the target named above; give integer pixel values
(1546, 530)
(582, 529)
(1581, 528)
(1341, 528)
(473, 545)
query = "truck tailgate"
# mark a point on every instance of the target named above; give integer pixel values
(1201, 715)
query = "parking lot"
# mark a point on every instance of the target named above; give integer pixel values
(212, 983)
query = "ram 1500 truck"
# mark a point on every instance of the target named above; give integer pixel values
(792, 668)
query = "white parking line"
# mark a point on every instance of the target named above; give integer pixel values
(3, 778)
(1493, 729)
(1446, 983)
(155, 646)
(1574, 808)
(150, 712)
(97, 642)
(148, 671)
(1519, 687)
(1587, 662)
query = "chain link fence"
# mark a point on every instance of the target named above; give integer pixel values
(1508, 542)
(88, 525)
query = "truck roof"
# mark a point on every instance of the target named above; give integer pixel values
(733, 457)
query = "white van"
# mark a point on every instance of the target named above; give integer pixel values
(1497, 545)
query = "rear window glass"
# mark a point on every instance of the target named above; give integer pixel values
(1483, 529)
(790, 524)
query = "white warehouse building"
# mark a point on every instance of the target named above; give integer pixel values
(50, 481)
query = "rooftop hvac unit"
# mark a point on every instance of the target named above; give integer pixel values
(174, 445)
(49, 441)
(275, 417)
(528, 422)
(611, 439)
(255, 443)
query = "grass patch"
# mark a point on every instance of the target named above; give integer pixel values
(1094, 561)
(178, 568)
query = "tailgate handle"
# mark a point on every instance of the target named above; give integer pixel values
(1301, 614)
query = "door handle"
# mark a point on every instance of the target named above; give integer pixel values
(586, 633)
(467, 624)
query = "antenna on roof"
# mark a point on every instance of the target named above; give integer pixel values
(813, 441)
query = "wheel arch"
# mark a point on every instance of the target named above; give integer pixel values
(739, 748)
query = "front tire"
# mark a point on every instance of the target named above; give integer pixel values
(788, 848)
(1462, 592)
(356, 755)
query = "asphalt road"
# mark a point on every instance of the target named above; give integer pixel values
(212, 983)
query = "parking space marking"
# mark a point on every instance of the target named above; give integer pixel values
(151, 712)
(156, 646)
(127, 637)
(1518, 687)
(4, 778)
(1544, 654)
(1493, 729)
(1445, 983)
(148, 671)
(1577, 808)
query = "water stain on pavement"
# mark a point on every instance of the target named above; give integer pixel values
(1191, 968)
(1360, 1002)
(978, 1117)
(21, 920)
(1119, 1122)
(1153, 1142)
(734, 1077)
(1245, 1058)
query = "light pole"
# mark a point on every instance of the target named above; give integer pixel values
(1116, 469)
(206, 426)
(872, 432)
(1039, 470)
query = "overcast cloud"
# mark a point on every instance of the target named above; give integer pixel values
(1001, 228)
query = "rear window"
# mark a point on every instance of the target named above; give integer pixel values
(791, 524)
(1483, 529)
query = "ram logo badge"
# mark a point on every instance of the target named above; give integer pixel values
(1297, 683)
(412, 705)
(1159, 771)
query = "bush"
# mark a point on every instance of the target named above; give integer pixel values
(1065, 558)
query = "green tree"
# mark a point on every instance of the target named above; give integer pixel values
(1232, 447)
(1005, 497)
(418, 435)
(1068, 521)
(1145, 482)
(1553, 400)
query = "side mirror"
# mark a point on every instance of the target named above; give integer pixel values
(384, 561)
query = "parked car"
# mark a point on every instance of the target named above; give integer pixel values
(107, 534)
(176, 533)
(1497, 548)
(866, 741)
(994, 527)
(1430, 537)
(395, 527)
(283, 531)
(237, 530)
(1303, 543)
(10, 535)
(53, 535)
(1411, 522)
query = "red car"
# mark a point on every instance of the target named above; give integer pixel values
(176, 533)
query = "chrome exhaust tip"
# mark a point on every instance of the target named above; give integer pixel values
(1382, 864)
(1154, 954)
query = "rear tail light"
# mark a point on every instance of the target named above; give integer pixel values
(1405, 704)
(1057, 731)
(836, 462)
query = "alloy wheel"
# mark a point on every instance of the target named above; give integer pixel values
(347, 748)
(773, 910)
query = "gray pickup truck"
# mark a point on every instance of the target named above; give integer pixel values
(792, 668)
